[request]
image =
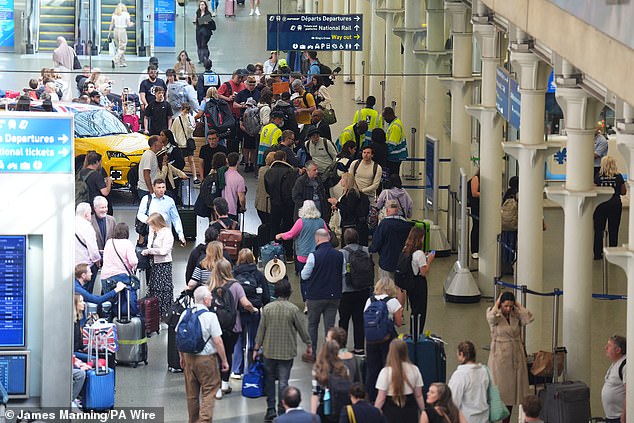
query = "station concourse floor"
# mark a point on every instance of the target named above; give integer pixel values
(242, 40)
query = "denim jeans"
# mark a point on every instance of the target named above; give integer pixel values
(246, 340)
(280, 370)
(317, 308)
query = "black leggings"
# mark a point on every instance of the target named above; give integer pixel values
(229, 339)
(351, 306)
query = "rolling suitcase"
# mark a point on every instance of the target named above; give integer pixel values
(150, 311)
(132, 338)
(230, 8)
(565, 402)
(264, 234)
(173, 316)
(99, 385)
(425, 225)
(270, 251)
(431, 359)
(187, 215)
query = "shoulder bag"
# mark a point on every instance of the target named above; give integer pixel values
(135, 283)
(497, 408)
(191, 143)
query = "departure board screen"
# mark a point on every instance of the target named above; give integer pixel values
(12, 291)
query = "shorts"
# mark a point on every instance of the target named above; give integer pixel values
(186, 152)
(249, 142)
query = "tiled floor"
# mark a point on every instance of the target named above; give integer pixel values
(240, 41)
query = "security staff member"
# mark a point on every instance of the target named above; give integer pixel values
(396, 142)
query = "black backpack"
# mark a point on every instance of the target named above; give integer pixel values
(249, 283)
(219, 117)
(339, 387)
(404, 275)
(209, 189)
(133, 178)
(324, 75)
(223, 304)
(360, 273)
(82, 192)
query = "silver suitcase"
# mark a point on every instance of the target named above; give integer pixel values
(132, 337)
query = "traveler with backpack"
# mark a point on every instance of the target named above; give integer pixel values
(393, 190)
(388, 239)
(344, 159)
(382, 314)
(400, 386)
(227, 294)
(208, 79)
(183, 131)
(228, 92)
(90, 182)
(249, 127)
(304, 102)
(367, 172)
(353, 208)
(285, 106)
(256, 288)
(200, 368)
(201, 273)
(411, 275)
(321, 150)
(211, 188)
(509, 225)
(303, 232)
(181, 92)
(357, 287)
(331, 384)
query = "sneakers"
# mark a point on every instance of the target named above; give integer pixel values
(251, 12)
(236, 376)
(359, 353)
(196, 181)
(307, 358)
(213, 14)
(270, 415)
(257, 11)
(219, 394)
(475, 256)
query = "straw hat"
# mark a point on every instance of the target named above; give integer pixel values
(275, 270)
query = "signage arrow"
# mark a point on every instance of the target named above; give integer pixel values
(357, 36)
(356, 27)
(64, 152)
(356, 46)
(64, 139)
(357, 18)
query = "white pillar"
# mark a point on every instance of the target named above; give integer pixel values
(491, 163)
(393, 15)
(338, 8)
(460, 84)
(578, 199)
(361, 64)
(624, 256)
(377, 54)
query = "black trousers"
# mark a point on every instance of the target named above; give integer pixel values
(475, 229)
(203, 35)
(351, 307)
(282, 221)
(609, 212)
(229, 339)
(375, 360)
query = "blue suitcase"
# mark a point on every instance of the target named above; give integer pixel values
(431, 360)
(99, 385)
(271, 250)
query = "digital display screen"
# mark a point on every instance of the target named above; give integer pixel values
(14, 375)
(12, 291)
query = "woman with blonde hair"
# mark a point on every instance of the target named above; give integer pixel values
(400, 386)
(376, 351)
(222, 283)
(160, 244)
(202, 271)
(327, 366)
(608, 211)
(119, 25)
(256, 289)
(353, 208)
(212, 92)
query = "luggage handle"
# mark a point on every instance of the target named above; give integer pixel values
(564, 372)
(119, 306)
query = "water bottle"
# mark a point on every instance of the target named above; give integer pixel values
(327, 402)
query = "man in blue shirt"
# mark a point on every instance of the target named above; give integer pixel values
(164, 204)
(314, 64)
(82, 276)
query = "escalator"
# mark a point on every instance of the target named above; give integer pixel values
(107, 7)
(57, 17)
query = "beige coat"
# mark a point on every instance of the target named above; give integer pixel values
(261, 197)
(507, 359)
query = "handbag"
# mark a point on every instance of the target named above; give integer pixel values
(144, 261)
(134, 283)
(544, 362)
(191, 144)
(142, 228)
(330, 117)
(199, 130)
(497, 408)
(335, 223)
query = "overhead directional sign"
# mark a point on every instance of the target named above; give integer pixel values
(502, 92)
(36, 143)
(315, 32)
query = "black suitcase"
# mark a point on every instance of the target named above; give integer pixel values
(264, 235)
(251, 241)
(187, 215)
(566, 402)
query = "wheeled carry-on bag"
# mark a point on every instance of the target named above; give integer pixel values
(187, 214)
(230, 8)
(565, 402)
(132, 338)
(100, 381)
(173, 316)
(431, 359)
(149, 307)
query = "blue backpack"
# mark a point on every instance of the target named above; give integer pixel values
(189, 333)
(253, 381)
(376, 321)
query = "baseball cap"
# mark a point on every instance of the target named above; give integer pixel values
(153, 60)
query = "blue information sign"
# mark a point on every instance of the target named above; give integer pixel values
(315, 32)
(12, 291)
(552, 86)
(36, 144)
(515, 104)
(7, 24)
(502, 92)
(165, 23)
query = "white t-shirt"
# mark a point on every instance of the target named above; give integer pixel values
(419, 259)
(412, 374)
(148, 161)
(393, 305)
(210, 328)
(613, 391)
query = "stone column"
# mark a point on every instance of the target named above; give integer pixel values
(338, 8)
(361, 63)
(578, 198)
(393, 13)
(491, 163)
(377, 54)
(624, 256)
